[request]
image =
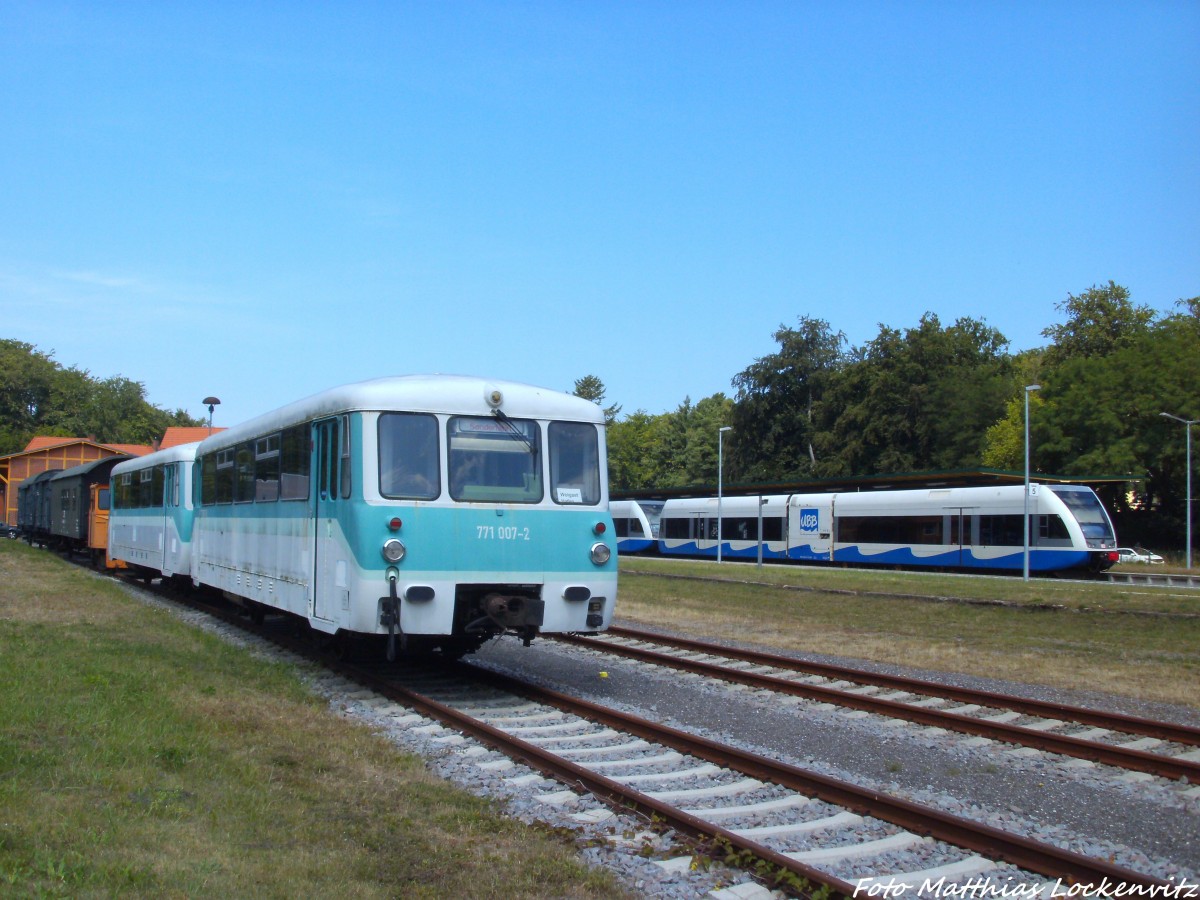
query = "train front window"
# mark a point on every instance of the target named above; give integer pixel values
(1089, 512)
(574, 463)
(408, 456)
(494, 460)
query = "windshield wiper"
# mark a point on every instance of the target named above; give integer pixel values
(515, 431)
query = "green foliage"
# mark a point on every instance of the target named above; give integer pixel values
(781, 402)
(670, 450)
(921, 399)
(1099, 321)
(39, 397)
(589, 387)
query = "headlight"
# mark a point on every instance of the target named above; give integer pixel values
(601, 554)
(393, 551)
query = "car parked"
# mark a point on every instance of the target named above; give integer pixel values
(1138, 555)
(8, 531)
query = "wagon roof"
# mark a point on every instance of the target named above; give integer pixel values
(461, 394)
(181, 453)
(89, 466)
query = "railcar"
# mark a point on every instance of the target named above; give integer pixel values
(971, 528)
(433, 511)
(636, 524)
(79, 501)
(150, 523)
(33, 507)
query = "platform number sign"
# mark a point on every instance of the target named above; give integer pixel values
(808, 520)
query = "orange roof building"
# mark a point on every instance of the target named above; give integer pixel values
(45, 453)
(178, 434)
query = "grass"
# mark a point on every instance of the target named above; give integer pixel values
(1049, 632)
(141, 757)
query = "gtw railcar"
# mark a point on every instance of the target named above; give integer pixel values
(636, 524)
(436, 510)
(971, 528)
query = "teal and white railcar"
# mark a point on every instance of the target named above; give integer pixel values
(150, 523)
(438, 510)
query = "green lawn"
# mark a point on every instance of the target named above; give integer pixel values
(142, 757)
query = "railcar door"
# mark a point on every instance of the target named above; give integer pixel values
(325, 531)
(958, 533)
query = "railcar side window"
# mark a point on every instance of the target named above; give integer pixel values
(1001, 531)
(266, 468)
(224, 492)
(495, 460)
(295, 455)
(408, 456)
(345, 460)
(574, 463)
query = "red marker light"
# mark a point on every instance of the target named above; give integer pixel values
(600, 528)
(395, 524)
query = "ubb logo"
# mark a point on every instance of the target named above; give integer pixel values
(808, 520)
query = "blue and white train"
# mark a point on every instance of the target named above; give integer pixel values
(440, 511)
(636, 523)
(968, 528)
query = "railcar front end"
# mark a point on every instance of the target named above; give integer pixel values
(438, 511)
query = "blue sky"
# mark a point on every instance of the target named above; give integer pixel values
(262, 200)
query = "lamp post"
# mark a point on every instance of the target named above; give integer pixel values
(1029, 388)
(1188, 423)
(211, 403)
(720, 479)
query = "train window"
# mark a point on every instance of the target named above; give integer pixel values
(408, 456)
(157, 480)
(1051, 531)
(145, 488)
(890, 529)
(266, 468)
(295, 451)
(121, 499)
(1001, 531)
(103, 499)
(677, 529)
(224, 477)
(327, 443)
(345, 459)
(243, 464)
(574, 463)
(495, 460)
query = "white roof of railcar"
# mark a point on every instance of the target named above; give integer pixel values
(458, 394)
(179, 453)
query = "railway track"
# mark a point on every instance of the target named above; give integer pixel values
(800, 831)
(1109, 738)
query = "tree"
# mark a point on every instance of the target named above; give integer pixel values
(919, 400)
(779, 400)
(37, 396)
(26, 377)
(1099, 321)
(589, 387)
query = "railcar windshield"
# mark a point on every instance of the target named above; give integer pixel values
(494, 460)
(1089, 512)
(574, 463)
(408, 456)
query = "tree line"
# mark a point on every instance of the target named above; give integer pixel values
(38, 396)
(936, 397)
